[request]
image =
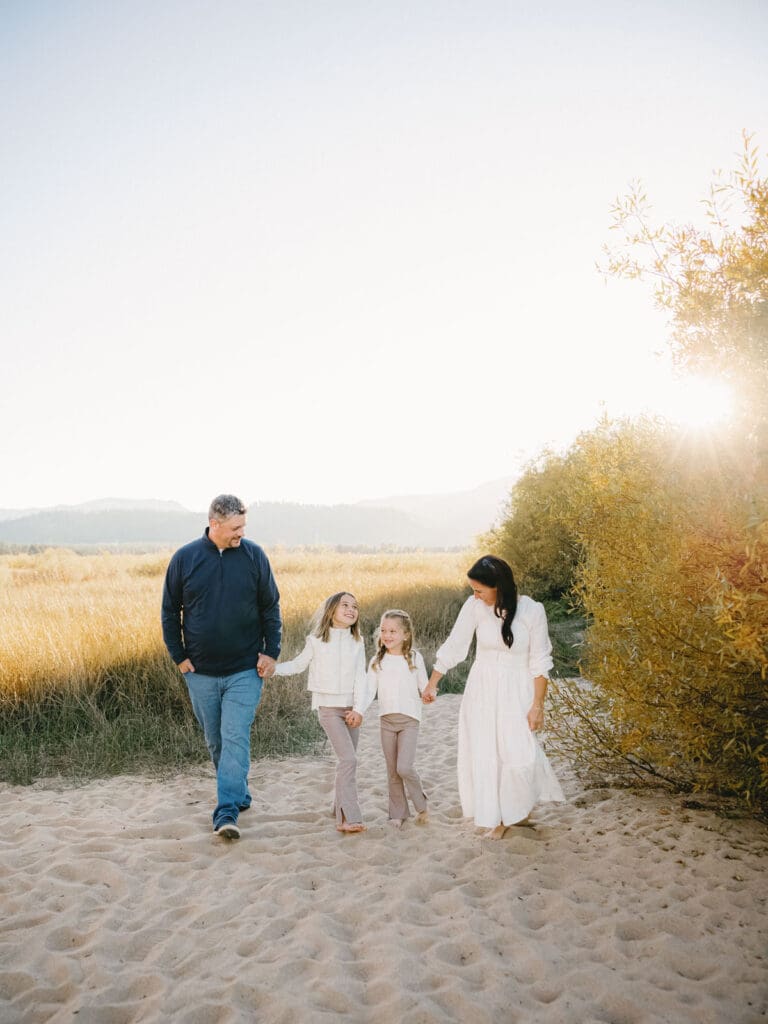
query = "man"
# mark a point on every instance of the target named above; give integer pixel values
(221, 625)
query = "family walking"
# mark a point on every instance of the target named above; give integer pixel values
(222, 627)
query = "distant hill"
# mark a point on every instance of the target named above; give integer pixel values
(16, 513)
(459, 514)
(123, 505)
(74, 528)
(422, 521)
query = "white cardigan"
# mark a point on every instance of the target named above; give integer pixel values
(399, 687)
(336, 668)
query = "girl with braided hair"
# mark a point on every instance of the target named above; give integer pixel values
(398, 675)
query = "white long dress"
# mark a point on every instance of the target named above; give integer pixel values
(503, 772)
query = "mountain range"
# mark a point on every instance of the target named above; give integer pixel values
(407, 521)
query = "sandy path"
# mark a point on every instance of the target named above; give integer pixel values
(118, 905)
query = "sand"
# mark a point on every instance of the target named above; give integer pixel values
(119, 905)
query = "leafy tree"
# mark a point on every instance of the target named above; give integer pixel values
(665, 535)
(713, 282)
(674, 579)
(674, 531)
(532, 536)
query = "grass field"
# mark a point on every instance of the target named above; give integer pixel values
(86, 686)
(87, 689)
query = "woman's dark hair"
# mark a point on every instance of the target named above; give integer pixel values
(494, 572)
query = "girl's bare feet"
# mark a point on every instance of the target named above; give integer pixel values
(351, 826)
(496, 833)
(421, 818)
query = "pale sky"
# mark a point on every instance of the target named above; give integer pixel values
(327, 251)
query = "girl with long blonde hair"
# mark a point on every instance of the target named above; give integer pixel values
(335, 655)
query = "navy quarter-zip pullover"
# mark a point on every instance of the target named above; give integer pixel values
(221, 609)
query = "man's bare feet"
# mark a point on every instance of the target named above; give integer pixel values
(396, 822)
(496, 833)
(351, 826)
(421, 818)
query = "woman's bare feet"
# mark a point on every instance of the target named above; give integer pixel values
(396, 822)
(496, 833)
(351, 826)
(421, 818)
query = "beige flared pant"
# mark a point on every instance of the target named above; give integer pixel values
(344, 743)
(399, 736)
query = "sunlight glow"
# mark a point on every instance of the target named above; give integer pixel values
(698, 403)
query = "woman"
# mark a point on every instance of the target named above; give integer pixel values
(502, 769)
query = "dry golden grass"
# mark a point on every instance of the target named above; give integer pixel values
(66, 618)
(87, 688)
(429, 585)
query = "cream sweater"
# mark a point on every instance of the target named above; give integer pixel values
(398, 687)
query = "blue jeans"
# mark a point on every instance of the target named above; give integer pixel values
(225, 707)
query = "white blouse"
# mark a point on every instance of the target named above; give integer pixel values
(476, 617)
(336, 668)
(398, 687)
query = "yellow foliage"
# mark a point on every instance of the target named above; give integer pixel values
(674, 580)
(532, 537)
(671, 532)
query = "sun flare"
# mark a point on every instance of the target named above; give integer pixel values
(698, 403)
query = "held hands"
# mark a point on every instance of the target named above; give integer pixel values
(535, 717)
(353, 719)
(429, 693)
(265, 666)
